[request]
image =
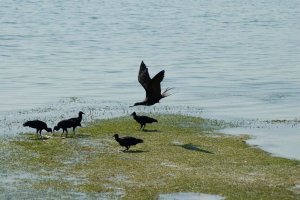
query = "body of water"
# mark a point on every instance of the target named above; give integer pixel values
(227, 59)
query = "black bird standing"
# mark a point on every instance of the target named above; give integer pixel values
(77, 119)
(151, 86)
(65, 124)
(143, 120)
(127, 141)
(38, 125)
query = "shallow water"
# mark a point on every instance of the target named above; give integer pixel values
(227, 59)
(280, 140)
(189, 196)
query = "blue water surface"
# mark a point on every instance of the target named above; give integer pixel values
(231, 59)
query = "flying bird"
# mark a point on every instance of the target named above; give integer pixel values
(38, 125)
(151, 86)
(143, 120)
(127, 141)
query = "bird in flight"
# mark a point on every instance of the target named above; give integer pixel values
(151, 86)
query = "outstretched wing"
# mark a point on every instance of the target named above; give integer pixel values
(143, 76)
(154, 89)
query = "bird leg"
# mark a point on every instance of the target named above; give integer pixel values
(125, 149)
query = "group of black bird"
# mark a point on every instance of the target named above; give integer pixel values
(63, 124)
(153, 96)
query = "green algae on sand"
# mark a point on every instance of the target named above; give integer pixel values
(179, 154)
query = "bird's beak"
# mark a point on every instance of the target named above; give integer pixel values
(131, 106)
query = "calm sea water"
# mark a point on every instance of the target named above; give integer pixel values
(229, 59)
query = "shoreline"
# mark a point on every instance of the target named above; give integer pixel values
(259, 129)
(182, 154)
(270, 139)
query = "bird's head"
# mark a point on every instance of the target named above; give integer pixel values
(116, 136)
(81, 113)
(133, 114)
(56, 128)
(49, 130)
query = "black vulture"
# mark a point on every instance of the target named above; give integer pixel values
(127, 141)
(77, 119)
(38, 125)
(151, 86)
(65, 124)
(143, 120)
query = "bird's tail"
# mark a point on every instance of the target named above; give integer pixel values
(165, 93)
(25, 124)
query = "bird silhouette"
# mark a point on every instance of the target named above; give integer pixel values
(77, 120)
(151, 86)
(38, 125)
(65, 124)
(127, 141)
(143, 120)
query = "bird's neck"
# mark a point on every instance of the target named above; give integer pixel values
(117, 138)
